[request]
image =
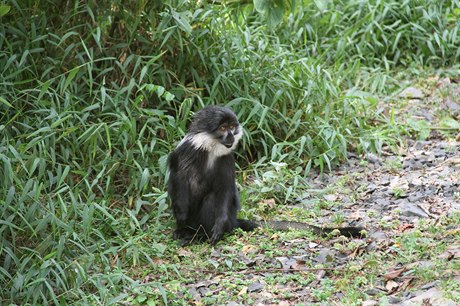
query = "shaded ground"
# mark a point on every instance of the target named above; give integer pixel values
(409, 202)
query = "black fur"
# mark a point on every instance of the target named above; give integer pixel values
(202, 186)
(201, 183)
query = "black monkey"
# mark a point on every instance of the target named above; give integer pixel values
(201, 184)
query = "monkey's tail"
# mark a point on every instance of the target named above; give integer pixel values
(350, 231)
(247, 225)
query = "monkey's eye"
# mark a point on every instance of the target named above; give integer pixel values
(223, 128)
(231, 127)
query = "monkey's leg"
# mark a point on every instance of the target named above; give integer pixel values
(214, 215)
(180, 198)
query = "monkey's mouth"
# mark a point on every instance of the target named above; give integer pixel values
(228, 144)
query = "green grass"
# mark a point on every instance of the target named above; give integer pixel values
(93, 97)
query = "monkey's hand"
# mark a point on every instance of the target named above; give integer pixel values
(217, 233)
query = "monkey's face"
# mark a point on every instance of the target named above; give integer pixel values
(215, 129)
(228, 133)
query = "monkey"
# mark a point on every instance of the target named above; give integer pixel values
(202, 184)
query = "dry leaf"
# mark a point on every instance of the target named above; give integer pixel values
(452, 252)
(391, 286)
(406, 283)
(320, 274)
(404, 227)
(356, 216)
(184, 252)
(243, 291)
(248, 249)
(330, 197)
(394, 274)
(299, 265)
(452, 232)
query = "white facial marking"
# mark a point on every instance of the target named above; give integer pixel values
(207, 142)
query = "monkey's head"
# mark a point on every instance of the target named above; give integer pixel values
(215, 129)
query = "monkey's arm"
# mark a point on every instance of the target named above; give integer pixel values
(221, 202)
(179, 193)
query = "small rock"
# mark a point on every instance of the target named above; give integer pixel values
(394, 300)
(325, 256)
(193, 292)
(421, 144)
(411, 210)
(371, 188)
(407, 164)
(371, 247)
(382, 203)
(203, 291)
(430, 285)
(312, 245)
(425, 114)
(443, 82)
(378, 236)
(434, 297)
(412, 93)
(452, 105)
(255, 287)
(372, 158)
(387, 218)
(385, 180)
(416, 197)
(415, 182)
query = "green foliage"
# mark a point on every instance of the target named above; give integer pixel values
(377, 33)
(93, 96)
(273, 10)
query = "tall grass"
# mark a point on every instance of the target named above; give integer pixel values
(378, 33)
(94, 96)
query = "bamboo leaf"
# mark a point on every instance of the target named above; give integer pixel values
(4, 9)
(71, 75)
(5, 102)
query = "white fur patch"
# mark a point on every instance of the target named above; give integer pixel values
(207, 142)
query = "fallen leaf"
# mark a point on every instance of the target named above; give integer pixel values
(452, 232)
(394, 274)
(452, 252)
(299, 265)
(243, 291)
(405, 284)
(391, 286)
(356, 216)
(404, 227)
(330, 197)
(184, 252)
(248, 249)
(320, 274)
(312, 245)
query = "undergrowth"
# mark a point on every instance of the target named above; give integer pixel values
(94, 95)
